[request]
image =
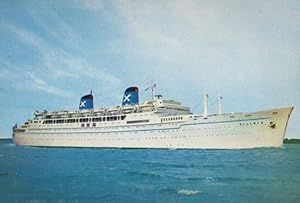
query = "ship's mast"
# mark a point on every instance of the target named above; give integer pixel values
(205, 114)
(219, 104)
(152, 87)
(152, 91)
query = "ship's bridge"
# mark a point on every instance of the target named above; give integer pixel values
(169, 107)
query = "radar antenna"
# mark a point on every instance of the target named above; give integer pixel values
(151, 87)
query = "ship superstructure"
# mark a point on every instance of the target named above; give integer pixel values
(158, 123)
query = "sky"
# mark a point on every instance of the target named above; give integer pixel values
(53, 52)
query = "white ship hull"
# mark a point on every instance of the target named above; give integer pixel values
(226, 131)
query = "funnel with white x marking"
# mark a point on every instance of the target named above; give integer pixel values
(131, 96)
(86, 102)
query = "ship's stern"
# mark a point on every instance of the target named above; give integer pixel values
(17, 135)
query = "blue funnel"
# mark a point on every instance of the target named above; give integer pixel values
(131, 96)
(86, 102)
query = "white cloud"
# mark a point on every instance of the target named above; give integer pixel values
(58, 63)
(212, 42)
(4, 72)
(94, 5)
(81, 69)
(61, 31)
(38, 83)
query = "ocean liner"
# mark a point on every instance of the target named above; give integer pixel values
(157, 123)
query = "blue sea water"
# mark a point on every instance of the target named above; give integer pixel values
(30, 174)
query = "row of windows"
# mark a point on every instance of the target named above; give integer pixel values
(88, 125)
(143, 126)
(135, 138)
(85, 120)
(144, 131)
(172, 118)
(254, 123)
(94, 125)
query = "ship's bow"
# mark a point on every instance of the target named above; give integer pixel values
(280, 118)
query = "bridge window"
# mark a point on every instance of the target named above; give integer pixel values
(60, 121)
(83, 120)
(48, 122)
(97, 119)
(71, 121)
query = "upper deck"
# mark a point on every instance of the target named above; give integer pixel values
(158, 107)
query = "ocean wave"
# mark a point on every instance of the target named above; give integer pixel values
(170, 165)
(180, 191)
(188, 192)
(210, 179)
(144, 173)
(151, 174)
(202, 179)
(167, 189)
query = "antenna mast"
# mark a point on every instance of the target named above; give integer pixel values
(152, 86)
(205, 114)
(219, 104)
